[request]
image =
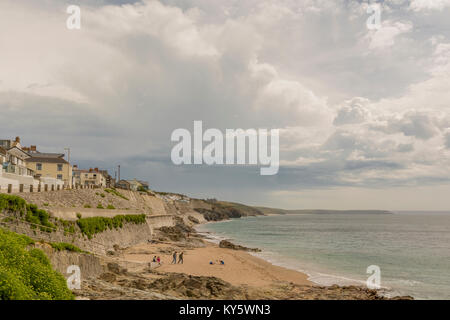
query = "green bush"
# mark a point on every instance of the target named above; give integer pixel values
(111, 207)
(87, 206)
(78, 215)
(40, 217)
(99, 206)
(60, 246)
(91, 226)
(15, 204)
(12, 203)
(27, 274)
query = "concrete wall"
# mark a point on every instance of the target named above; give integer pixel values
(27, 181)
(16, 181)
(90, 265)
(130, 234)
(155, 222)
(156, 204)
(71, 213)
(4, 182)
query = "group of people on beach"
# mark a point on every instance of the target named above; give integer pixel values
(180, 257)
(157, 260)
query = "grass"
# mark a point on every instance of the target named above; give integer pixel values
(12, 203)
(39, 216)
(93, 225)
(61, 246)
(116, 193)
(26, 274)
(30, 212)
(69, 226)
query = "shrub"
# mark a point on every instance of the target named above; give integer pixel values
(99, 206)
(111, 207)
(32, 214)
(40, 217)
(27, 274)
(78, 215)
(60, 246)
(91, 226)
(12, 203)
(87, 206)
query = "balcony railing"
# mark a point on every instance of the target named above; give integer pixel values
(15, 169)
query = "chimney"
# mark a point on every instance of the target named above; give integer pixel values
(75, 166)
(96, 169)
(17, 139)
(33, 148)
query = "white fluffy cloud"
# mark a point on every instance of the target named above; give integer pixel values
(384, 37)
(419, 5)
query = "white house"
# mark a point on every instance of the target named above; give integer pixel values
(14, 171)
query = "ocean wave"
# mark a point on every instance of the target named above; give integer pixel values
(320, 278)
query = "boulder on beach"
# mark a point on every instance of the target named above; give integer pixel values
(229, 245)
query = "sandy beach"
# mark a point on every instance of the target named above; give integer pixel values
(130, 274)
(240, 268)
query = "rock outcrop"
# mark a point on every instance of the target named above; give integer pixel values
(229, 245)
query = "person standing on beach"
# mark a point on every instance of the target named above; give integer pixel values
(174, 261)
(180, 257)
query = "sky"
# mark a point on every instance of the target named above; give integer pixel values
(363, 114)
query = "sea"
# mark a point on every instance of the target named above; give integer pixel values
(409, 251)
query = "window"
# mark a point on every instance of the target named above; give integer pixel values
(60, 166)
(39, 166)
(59, 176)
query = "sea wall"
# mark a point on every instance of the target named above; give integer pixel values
(155, 222)
(71, 213)
(130, 234)
(89, 264)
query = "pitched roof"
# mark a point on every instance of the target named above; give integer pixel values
(47, 155)
(16, 151)
(46, 160)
